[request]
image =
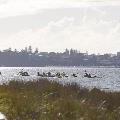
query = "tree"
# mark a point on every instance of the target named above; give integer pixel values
(15, 50)
(26, 50)
(66, 51)
(71, 51)
(30, 49)
(36, 51)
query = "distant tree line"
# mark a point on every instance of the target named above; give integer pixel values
(29, 58)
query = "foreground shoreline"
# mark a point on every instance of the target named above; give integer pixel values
(49, 100)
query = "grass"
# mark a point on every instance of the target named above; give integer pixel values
(45, 100)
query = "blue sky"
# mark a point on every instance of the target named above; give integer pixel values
(53, 25)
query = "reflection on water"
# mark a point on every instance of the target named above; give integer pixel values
(108, 78)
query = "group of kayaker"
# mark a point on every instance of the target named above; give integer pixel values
(57, 74)
(89, 75)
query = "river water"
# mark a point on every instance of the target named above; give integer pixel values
(108, 79)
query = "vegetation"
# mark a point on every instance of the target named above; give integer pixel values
(48, 100)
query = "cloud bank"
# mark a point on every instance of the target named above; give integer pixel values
(90, 34)
(90, 27)
(22, 7)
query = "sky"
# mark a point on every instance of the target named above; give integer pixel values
(54, 25)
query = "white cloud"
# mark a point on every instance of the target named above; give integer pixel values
(21, 7)
(95, 30)
(93, 35)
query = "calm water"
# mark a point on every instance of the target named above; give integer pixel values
(109, 77)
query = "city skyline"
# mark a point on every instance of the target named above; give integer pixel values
(30, 48)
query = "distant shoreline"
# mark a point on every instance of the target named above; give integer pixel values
(60, 66)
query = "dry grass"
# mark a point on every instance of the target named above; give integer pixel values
(45, 100)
